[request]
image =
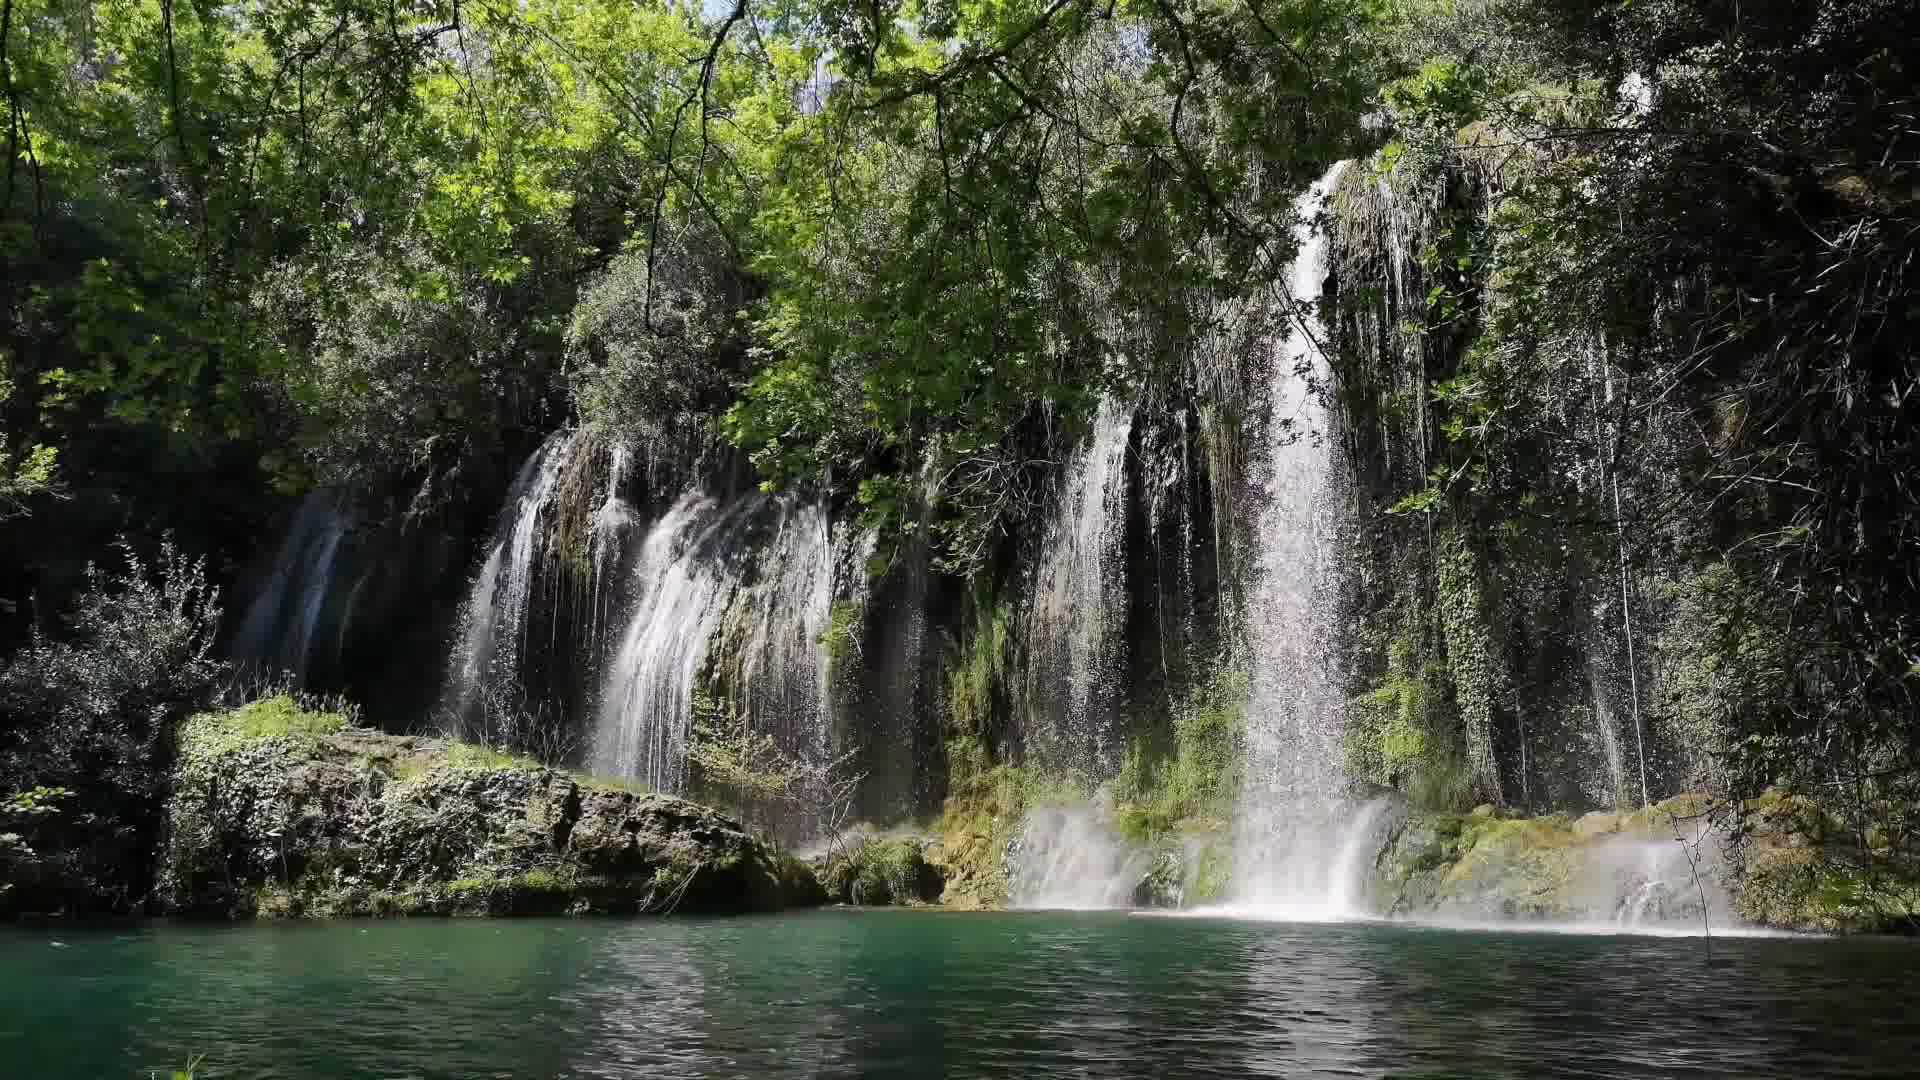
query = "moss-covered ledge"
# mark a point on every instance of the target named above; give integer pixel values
(281, 812)
(1778, 861)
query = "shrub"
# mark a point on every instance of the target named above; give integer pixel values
(652, 347)
(94, 712)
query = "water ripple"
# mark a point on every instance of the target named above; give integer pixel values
(921, 995)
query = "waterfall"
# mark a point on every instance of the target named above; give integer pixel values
(753, 576)
(883, 655)
(493, 639)
(1300, 850)
(1070, 858)
(1646, 900)
(278, 635)
(1079, 605)
(646, 706)
(1312, 862)
(1602, 683)
(783, 611)
(609, 535)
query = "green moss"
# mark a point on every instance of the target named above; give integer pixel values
(1404, 734)
(980, 671)
(408, 770)
(282, 715)
(842, 633)
(276, 717)
(883, 871)
(484, 758)
(1474, 662)
(983, 813)
(611, 783)
(985, 799)
(543, 882)
(1661, 818)
(468, 887)
(1804, 868)
(1828, 889)
(1198, 781)
(1777, 875)
(1212, 871)
(798, 885)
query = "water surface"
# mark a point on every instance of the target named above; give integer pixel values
(929, 994)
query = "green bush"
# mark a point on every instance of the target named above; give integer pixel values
(94, 712)
(879, 872)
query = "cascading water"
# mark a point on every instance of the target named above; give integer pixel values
(754, 573)
(784, 609)
(277, 637)
(1302, 847)
(1079, 605)
(493, 640)
(680, 580)
(611, 532)
(1070, 858)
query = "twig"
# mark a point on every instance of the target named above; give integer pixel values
(1693, 863)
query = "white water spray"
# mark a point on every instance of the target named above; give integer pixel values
(1302, 848)
(1070, 858)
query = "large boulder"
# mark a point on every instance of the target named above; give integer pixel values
(292, 813)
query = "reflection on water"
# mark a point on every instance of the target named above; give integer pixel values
(1313, 1011)
(639, 1009)
(922, 995)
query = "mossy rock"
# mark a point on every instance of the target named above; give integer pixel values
(1663, 818)
(982, 818)
(1164, 885)
(1423, 845)
(1597, 823)
(1488, 866)
(1801, 871)
(309, 818)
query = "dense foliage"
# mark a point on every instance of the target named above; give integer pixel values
(1657, 376)
(89, 729)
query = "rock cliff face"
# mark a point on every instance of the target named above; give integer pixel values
(294, 814)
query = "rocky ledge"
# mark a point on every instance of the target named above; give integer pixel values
(281, 813)
(1778, 861)
(1630, 869)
